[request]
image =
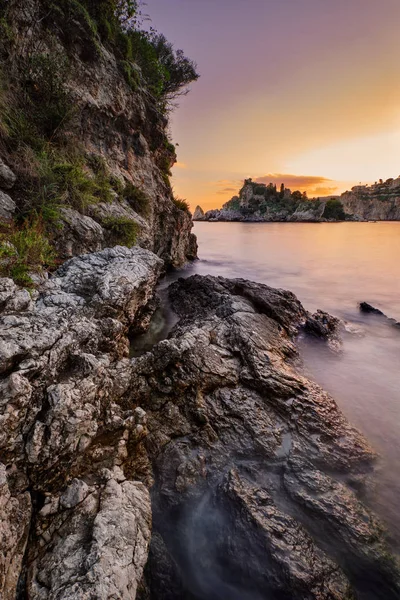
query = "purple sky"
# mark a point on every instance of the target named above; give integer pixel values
(303, 87)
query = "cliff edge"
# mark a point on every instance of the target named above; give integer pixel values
(85, 156)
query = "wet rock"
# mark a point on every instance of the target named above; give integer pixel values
(224, 395)
(371, 310)
(271, 549)
(368, 308)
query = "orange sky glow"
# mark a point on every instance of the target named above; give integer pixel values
(303, 92)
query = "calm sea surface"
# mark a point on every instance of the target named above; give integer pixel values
(333, 267)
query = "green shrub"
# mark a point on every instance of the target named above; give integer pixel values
(137, 199)
(260, 190)
(334, 210)
(123, 230)
(117, 185)
(181, 204)
(131, 74)
(74, 186)
(72, 16)
(50, 105)
(104, 189)
(25, 250)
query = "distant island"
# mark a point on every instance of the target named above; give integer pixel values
(258, 202)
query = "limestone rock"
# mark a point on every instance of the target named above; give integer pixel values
(80, 234)
(198, 214)
(96, 547)
(15, 514)
(7, 177)
(7, 206)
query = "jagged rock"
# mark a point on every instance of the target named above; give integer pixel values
(80, 234)
(7, 206)
(15, 514)
(281, 557)
(100, 543)
(223, 392)
(59, 422)
(235, 439)
(7, 177)
(371, 310)
(198, 214)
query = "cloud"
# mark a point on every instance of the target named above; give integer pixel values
(315, 186)
(293, 181)
(228, 190)
(324, 191)
(180, 165)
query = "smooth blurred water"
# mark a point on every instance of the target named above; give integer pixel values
(333, 267)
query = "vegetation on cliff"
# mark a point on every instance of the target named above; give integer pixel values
(45, 47)
(260, 202)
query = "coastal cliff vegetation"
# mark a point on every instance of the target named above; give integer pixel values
(53, 57)
(260, 202)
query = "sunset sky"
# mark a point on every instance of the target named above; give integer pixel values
(305, 92)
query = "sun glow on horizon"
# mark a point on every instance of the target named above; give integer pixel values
(324, 104)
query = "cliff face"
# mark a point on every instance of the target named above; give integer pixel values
(379, 202)
(111, 130)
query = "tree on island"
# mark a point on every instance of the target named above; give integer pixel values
(334, 210)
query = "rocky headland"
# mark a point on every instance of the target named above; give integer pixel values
(258, 202)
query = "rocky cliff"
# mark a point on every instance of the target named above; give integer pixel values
(85, 155)
(378, 202)
(257, 203)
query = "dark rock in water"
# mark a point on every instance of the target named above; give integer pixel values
(325, 327)
(368, 308)
(251, 499)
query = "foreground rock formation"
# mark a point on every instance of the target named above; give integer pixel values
(255, 475)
